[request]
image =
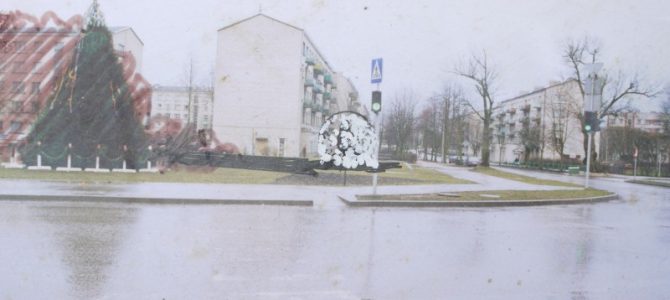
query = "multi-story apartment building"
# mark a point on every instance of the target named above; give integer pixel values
(651, 122)
(274, 89)
(187, 105)
(35, 54)
(542, 124)
(126, 41)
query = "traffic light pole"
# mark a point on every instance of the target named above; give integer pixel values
(588, 160)
(378, 117)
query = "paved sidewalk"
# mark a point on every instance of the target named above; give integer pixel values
(265, 194)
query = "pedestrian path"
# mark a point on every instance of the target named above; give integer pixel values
(245, 193)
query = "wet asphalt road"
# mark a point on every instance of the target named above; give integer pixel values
(68, 250)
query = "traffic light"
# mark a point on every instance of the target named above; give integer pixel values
(590, 121)
(376, 101)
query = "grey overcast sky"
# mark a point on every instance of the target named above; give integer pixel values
(420, 40)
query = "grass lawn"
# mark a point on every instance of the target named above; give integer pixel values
(220, 175)
(503, 195)
(663, 183)
(521, 178)
(415, 175)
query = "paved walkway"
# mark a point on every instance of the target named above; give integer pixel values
(253, 194)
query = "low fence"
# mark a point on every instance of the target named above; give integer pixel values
(545, 166)
(270, 163)
(146, 161)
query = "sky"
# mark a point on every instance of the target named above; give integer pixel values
(421, 41)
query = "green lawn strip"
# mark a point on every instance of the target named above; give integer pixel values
(651, 182)
(504, 195)
(415, 175)
(521, 178)
(220, 175)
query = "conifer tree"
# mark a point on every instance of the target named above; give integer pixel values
(91, 108)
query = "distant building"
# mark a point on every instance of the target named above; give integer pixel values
(186, 105)
(651, 122)
(35, 54)
(542, 124)
(274, 89)
(126, 41)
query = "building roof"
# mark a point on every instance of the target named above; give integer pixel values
(537, 91)
(283, 23)
(117, 29)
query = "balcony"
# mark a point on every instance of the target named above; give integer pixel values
(318, 69)
(309, 60)
(318, 88)
(307, 103)
(328, 78)
(511, 111)
(326, 95)
(309, 81)
(526, 108)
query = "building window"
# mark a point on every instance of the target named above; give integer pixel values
(20, 46)
(36, 106)
(14, 127)
(16, 106)
(17, 87)
(19, 67)
(37, 68)
(35, 88)
(282, 146)
(36, 46)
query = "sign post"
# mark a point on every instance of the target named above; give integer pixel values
(376, 71)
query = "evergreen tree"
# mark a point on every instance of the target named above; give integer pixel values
(91, 108)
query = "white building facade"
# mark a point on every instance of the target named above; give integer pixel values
(126, 41)
(182, 104)
(542, 124)
(273, 89)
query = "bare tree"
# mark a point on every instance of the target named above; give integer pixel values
(483, 75)
(561, 112)
(577, 55)
(453, 113)
(400, 122)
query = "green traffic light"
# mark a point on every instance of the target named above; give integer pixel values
(376, 107)
(587, 127)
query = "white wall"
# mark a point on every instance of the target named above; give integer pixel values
(258, 84)
(126, 40)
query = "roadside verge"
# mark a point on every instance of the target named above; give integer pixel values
(354, 202)
(154, 200)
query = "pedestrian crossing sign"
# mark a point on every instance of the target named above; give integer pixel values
(376, 70)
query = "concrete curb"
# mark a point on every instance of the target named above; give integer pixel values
(650, 182)
(146, 200)
(473, 203)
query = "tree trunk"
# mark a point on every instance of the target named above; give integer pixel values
(486, 148)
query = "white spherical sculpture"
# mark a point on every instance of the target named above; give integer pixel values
(347, 139)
